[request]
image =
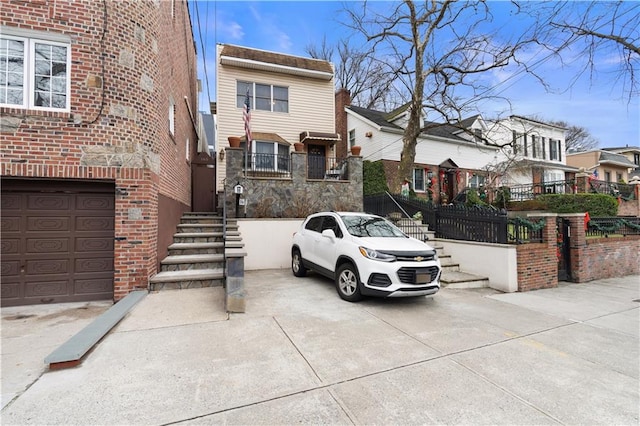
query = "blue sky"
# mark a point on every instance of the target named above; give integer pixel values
(597, 103)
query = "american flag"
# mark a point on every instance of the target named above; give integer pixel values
(246, 115)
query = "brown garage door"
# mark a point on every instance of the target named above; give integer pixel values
(57, 241)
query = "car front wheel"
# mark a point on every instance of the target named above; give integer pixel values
(296, 264)
(347, 283)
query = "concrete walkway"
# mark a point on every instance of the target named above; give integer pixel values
(302, 355)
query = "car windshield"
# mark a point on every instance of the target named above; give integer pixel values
(370, 226)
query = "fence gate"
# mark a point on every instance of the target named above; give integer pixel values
(563, 231)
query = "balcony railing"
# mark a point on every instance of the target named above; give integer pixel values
(319, 167)
(268, 165)
(531, 191)
(623, 190)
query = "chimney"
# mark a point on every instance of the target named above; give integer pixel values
(343, 99)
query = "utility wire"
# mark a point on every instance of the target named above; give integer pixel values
(204, 52)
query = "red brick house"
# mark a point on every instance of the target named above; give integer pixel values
(97, 104)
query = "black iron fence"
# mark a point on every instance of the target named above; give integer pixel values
(268, 165)
(623, 190)
(533, 190)
(321, 167)
(458, 222)
(608, 226)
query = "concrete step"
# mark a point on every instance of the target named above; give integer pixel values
(196, 248)
(450, 267)
(192, 262)
(197, 237)
(457, 279)
(175, 280)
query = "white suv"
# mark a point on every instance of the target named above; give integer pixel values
(366, 255)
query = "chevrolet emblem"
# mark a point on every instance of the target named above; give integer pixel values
(418, 258)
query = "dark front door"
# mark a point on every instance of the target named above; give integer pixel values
(57, 241)
(316, 161)
(204, 185)
(563, 232)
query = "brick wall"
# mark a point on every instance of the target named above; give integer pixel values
(598, 258)
(537, 262)
(343, 98)
(126, 66)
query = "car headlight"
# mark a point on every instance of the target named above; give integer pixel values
(376, 255)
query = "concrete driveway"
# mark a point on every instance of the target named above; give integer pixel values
(301, 355)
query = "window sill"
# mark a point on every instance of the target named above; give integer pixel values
(26, 112)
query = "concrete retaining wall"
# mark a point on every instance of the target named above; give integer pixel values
(267, 242)
(498, 262)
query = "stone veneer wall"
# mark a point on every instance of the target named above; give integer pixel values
(295, 196)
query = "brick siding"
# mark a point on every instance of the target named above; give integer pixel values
(117, 129)
(537, 262)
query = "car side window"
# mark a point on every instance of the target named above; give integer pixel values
(314, 224)
(331, 223)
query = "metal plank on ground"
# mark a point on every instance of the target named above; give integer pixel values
(71, 352)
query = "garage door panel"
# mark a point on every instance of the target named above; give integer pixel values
(46, 289)
(97, 264)
(57, 241)
(94, 223)
(9, 245)
(47, 245)
(10, 202)
(10, 291)
(99, 202)
(10, 268)
(51, 202)
(94, 286)
(9, 223)
(42, 267)
(48, 224)
(94, 244)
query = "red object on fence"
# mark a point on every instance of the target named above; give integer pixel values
(587, 219)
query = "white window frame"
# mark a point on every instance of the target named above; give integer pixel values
(172, 117)
(275, 152)
(241, 97)
(477, 181)
(424, 180)
(352, 138)
(28, 83)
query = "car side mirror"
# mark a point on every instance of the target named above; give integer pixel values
(329, 234)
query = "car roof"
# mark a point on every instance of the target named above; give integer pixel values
(344, 214)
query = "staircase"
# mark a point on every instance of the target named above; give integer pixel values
(452, 276)
(196, 258)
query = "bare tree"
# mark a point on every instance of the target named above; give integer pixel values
(577, 139)
(439, 50)
(598, 35)
(370, 84)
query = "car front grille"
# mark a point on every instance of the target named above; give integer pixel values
(408, 275)
(415, 256)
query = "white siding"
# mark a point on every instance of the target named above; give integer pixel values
(311, 107)
(388, 146)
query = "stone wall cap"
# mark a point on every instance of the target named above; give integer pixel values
(542, 214)
(571, 214)
(235, 252)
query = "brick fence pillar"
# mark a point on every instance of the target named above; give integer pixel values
(577, 243)
(582, 181)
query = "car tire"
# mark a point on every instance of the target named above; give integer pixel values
(296, 264)
(348, 283)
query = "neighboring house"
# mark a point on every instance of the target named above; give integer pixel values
(291, 100)
(633, 154)
(448, 158)
(536, 154)
(603, 165)
(97, 135)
